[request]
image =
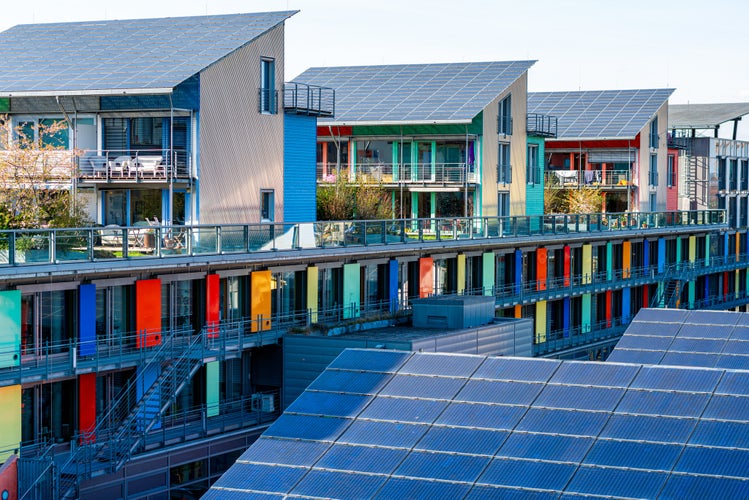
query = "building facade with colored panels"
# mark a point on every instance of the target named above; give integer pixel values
(444, 139)
(180, 349)
(182, 121)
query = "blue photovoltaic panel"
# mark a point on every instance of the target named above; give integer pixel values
(689, 344)
(617, 482)
(383, 433)
(635, 356)
(733, 362)
(734, 383)
(736, 347)
(727, 408)
(415, 92)
(717, 433)
(599, 114)
(644, 342)
(498, 493)
(359, 359)
(637, 455)
(587, 373)
(690, 486)
(705, 331)
(712, 317)
(307, 427)
(579, 398)
(528, 474)
(362, 458)
(122, 55)
(740, 332)
(222, 494)
(326, 403)
(545, 447)
(677, 404)
(449, 467)
(689, 359)
(499, 391)
(284, 451)
(404, 409)
(350, 381)
(676, 379)
(332, 484)
(462, 440)
(715, 461)
(576, 423)
(501, 417)
(662, 315)
(648, 428)
(446, 365)
(400, 488)
(651, 329)
(261, 477)
(517, 369)
(423, 387)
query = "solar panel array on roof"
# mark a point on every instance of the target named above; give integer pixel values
(674, 337)
(688, 116)
(477, 431)
(136, 54)
(611, 114)
(415, 92)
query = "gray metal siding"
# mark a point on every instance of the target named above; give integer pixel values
(300, 139)
(241, 150)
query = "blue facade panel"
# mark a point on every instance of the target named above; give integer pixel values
(518, 270)
(300, 163)
(626, 304)
(566, 316)
(645, 253)
(661, 255)
(87, 320)
(393, 285)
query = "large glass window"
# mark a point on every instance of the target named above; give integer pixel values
(53, 133)
(146, 133)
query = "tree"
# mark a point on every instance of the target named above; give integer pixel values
(36, 178)
(346, 201)
(584, 201)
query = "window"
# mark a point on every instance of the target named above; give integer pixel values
(266, 205)
(653, 202)
(654, 133)
(267, 98)
(503, 204)
(745, 175)
(504, 121)
(671, 171)
(504, 168)
(531, 169)
(734, 180)
(653, 170)
(722, 181)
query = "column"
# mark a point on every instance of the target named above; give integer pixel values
(87, 407)
(351, 290)
(393, 285)
(661, 255)
(586, 313)
(10, 420)
(587, 263)
(540, 321)
(566, 316)
(626, 304)
(626, 259)
(609, 261)
(518, 271)
(567, 252)
(212, 300)
(692, 258)
(541, 268)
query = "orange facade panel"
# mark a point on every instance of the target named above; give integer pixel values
(626, 259)
(148, 312)
(541, 271)
(260, 283)
(426, 277)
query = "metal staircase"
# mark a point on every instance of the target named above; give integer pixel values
(121, 431)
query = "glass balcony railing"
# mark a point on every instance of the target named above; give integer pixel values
(566, 179)
(396, 174)
(76, 245)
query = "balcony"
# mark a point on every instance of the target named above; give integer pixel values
(572, 179)
(541, 125)
(394, 174)
(158, 165)
(301, 98)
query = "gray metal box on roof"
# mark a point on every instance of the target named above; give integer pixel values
(464, 311)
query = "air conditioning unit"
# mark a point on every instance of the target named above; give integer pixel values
(263, 402)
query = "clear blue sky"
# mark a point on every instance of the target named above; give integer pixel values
(697, 47)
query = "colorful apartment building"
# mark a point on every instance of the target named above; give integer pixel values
(615, 141)
(444, 139)
(180, 120)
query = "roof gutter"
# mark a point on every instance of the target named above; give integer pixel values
(101, 92)
(384, 122)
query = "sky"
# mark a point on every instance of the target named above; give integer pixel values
(698, 48)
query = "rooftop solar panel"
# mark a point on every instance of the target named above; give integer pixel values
(398, 488)
(692, 486)
(599, 114)
(137, 54)
(462, 440)
(528, 474)
(621, 483)
(637, 455)
(415, 93)
(546, 447)
(332, 484)
(375, 460)
(284, 451)
(448, 467)
(395, 434)
(423, 387)
(323, 403)
(500, 417)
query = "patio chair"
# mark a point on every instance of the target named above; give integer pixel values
(120, 165)
(149, 165)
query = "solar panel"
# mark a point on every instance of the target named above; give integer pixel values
(307, 427)
(325, 403)
(500, 417)
(631, 454)
(448, 365)
(579, 398)
(284, 451)
(357, 382)
(563, 422)
(689, 359)
(716, 461)
(499, 493)
(376, 460)
(417, 92)
(449, 467)
(623, 483)
(423, 387)
(648, 428)
(598, 114)
(120, 55)
(587, 373)
(333, 484)
(734, 383)
(360, 359)
(676, 379)
(715, 433)
(261, 477)
(399, 488)
(727, 407)
(528, 474)
(499, 391)
(676, 404)
(545, 447)
(705, 487)
(223, 494)
(404, 409)
(462, 440)
(517, 369)
(712, 317)
(383, 433)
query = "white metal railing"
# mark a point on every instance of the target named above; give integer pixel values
(114, 164)
(602, 179)
(395, 173)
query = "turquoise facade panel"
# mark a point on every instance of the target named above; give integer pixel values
(488, 273)
(534, 193)
(10, 328)
(300, 163)
(351, 291)
(609, 261)
(212, 388)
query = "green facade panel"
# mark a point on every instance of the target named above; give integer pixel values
(534, 193)
(488, 270)
(609, 261)
(351, 291)
(586, 319)
(10, 328)
(4, 105)
(212, 388)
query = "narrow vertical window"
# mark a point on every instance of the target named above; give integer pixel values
(654, 133)
(266, 205)
(504, 120)
(653, 170)
(504, 167)
(531, 171)
(671, 171)
(267, 97)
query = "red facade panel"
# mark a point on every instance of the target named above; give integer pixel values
(87, 407)
(148, 312)
(426, 277)
(609, 300)
(541, 271)
(212, 283)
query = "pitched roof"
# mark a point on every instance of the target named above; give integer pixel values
(599, 114)
(130, 56)
(705, 115)
(711, 339)
(415, 93)
(394, 424)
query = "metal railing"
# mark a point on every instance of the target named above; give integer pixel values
(140, 165)
(609, 179)
(308, 99)
(398, 173)
(541, 125)
(77, 245)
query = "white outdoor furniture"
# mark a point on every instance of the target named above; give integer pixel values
(120, 165)
(148, 165)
